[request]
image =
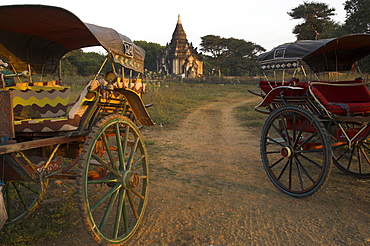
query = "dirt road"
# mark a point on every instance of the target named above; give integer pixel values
(208, 187)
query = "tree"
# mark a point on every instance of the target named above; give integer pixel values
(240, 56)
(153, 52)
(215, 46)
(68, 69)
(316, 20)
(358, 21)
(86, 63)
(231, 56)
(358, 18)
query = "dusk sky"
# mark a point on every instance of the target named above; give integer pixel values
(264, 22)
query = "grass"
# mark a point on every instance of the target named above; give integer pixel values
(249, 117)
(56, 214)
(172, 102)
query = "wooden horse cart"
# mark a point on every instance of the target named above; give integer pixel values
(95, 141)
(313, 121)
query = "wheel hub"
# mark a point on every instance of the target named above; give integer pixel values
(128, 179)
(286, 152)
(133, 180)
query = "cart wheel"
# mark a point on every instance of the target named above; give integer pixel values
(112, 180)
(21, 198)
(354, 160)
(295, 151)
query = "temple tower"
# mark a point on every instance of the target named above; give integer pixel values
(179, 58)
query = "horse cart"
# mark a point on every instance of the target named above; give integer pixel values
(95, 140)
(317, 116)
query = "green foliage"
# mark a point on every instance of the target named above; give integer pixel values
(153, 52)
(358, 21)
(358, 18)
(333, 32)
(229, 56)
(364, 64)
(214, 45)
(81, 63)
(68, 69)
(316, 18)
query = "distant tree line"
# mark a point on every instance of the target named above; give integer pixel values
(229, 56)
(237, 57)
(81, 63)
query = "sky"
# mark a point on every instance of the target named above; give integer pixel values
(263, 22)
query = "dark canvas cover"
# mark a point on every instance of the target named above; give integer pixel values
(335, 54)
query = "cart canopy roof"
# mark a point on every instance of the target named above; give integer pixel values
(335, 54)
(40, 35)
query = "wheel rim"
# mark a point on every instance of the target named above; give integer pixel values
(295, 151)
(21, 198)
(354, 160)
(114, 175)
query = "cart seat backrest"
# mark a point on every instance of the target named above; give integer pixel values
(79, 107)
(39, 101)
(136, 85)
(344, 94)
(67, 122)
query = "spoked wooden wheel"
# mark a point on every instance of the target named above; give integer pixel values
(113, 180)
(353, 159)
(295, 151)
(21, 198)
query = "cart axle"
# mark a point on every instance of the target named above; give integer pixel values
(286, 152)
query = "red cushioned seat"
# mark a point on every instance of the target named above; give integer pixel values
(343, 100)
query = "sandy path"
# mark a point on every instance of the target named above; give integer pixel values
(209, 188)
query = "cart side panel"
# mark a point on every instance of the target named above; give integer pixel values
(6, 116)
(15, 169)
(40, 101)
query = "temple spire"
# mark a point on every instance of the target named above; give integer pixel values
(179, 33)
(179, 58)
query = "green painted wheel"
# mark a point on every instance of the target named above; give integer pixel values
(21, 198)
(112, 180)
